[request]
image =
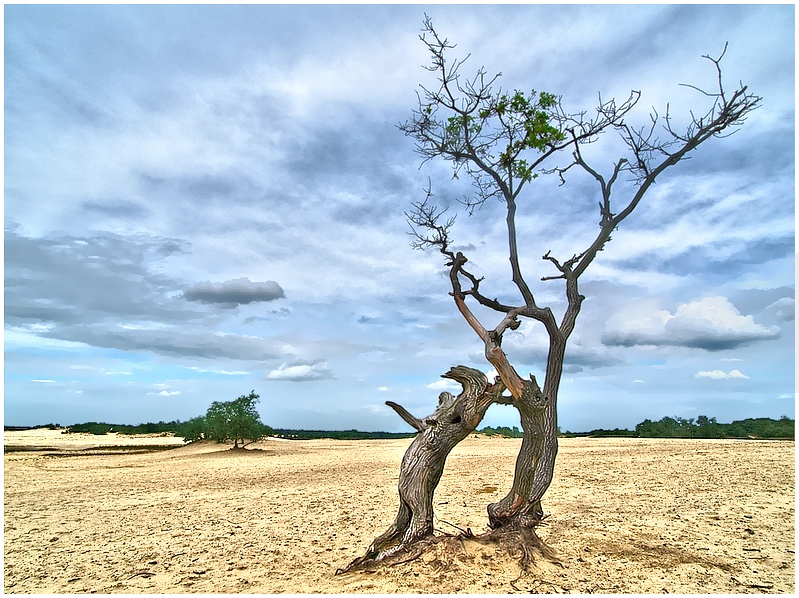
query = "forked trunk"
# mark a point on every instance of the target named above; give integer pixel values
(521, 509)
(425, 458)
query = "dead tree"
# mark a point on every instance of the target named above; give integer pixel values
(504, 141)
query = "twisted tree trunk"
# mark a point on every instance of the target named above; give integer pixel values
(425, 458)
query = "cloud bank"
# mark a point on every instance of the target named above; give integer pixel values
(712, 324)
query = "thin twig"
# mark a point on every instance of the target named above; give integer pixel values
(463, 531)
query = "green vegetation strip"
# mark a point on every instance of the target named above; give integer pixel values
(669, 427)
(704, 427)
(339, 435)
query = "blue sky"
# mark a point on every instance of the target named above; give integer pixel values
(205, 200)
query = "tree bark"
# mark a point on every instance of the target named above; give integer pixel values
(521, 509)
(425, 458)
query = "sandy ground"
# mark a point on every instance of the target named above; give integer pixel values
(626, 516)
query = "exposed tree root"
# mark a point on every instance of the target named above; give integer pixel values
(400, 555)
(524, 545)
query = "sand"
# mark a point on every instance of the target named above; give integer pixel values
(626, 516)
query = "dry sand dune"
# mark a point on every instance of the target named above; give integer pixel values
(627, 516)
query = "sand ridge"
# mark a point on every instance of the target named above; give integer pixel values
(626, 516)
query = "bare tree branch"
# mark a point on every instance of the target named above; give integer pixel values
(486, 133)
(503, 140)
(409, 419)
(650, 157)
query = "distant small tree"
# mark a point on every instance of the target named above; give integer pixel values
(236, 420)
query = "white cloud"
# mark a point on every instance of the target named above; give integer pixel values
(145, 326)
(638, 381)
(383, 389)
(721, 375)
(715, 374)
(223, 372)
(712, 323)
(165, 393)
(444, 384)
(43, 381)
(301, 372)
(738, 374)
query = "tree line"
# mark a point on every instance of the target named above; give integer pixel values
(338, 434)
(702, 427)
(237, 421)
(100, 428)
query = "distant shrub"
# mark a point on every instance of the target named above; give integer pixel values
(600, 433)
(91, 428)
(502, 431)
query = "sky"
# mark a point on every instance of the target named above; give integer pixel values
(201, 201)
